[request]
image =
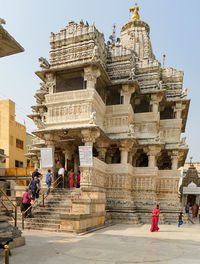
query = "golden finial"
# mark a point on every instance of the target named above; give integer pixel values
(135, 10)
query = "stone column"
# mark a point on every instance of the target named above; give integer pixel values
(126, 92)
(174, 159)
(131, 154)
(152, 152)
(76, 163)
(125, 148)
(36, 162)
(102, 152)
(102, 147)
(90, 75)
(124, 155)
(109, 157)
(50, 82)
(68, 156)
(89, 136)
(155, 100)
(178, 110)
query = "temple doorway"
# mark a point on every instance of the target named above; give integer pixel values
(191, 199)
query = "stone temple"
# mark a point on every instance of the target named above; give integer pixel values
(118, 98)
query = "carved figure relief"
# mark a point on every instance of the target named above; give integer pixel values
(44, 64)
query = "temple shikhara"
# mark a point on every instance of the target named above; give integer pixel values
(118, 98)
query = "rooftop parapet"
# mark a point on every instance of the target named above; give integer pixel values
(74, 33)
(172, 75)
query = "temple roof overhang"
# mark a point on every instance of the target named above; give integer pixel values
(186, 103)
(68, 134)
(8, 45)
(70, 66)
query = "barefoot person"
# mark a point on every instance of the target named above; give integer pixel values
(155, 219)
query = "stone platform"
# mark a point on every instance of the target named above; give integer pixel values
(116, 244)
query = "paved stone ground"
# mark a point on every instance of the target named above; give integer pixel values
(116, 244)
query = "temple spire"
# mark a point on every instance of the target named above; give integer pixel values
(135, 10)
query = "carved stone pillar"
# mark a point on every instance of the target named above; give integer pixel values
(155, 100)
(174, 159)
(76, 163)
(68, 156)
(50, 82)
(152, 152)
(178, 110)
(109, 157)
(90, 75)
(101, 147)
(131, 154)
(102, 152)
(124, 155)
(126, 92)
(125, 148)
(89, 136)
(36, 162)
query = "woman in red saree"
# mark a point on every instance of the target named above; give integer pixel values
(71, 179)
(155, 219)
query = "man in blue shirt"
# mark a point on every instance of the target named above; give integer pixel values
(48, 180)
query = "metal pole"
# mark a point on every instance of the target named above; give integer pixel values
(22, 220)
(15, 216)
(6, 254)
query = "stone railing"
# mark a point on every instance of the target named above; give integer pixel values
(75, 108)
(144, 178)
(169, 174)
(172, 75)
(93, 176)
(119, 176)
(118, 118)
(168, 181)
(171, 129)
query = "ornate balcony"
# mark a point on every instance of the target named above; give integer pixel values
(74, 109)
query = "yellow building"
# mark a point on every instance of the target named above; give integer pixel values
(12, 135)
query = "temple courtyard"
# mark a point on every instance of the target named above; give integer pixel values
(115, 244)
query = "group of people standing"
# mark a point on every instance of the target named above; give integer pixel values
(194, 208)
(64, 179)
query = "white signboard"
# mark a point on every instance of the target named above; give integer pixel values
(85, 155)
(46, 157)
(191, 190)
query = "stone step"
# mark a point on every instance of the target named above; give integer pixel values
(42, 226)
(48, 217)
(42, 220)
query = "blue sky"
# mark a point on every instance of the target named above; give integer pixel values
(174, 31)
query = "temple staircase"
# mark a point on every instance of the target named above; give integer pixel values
(47, 218)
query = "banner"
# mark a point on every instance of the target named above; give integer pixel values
(46, 157)
(85, 155)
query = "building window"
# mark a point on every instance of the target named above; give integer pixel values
(18, 164)
(19, 144)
